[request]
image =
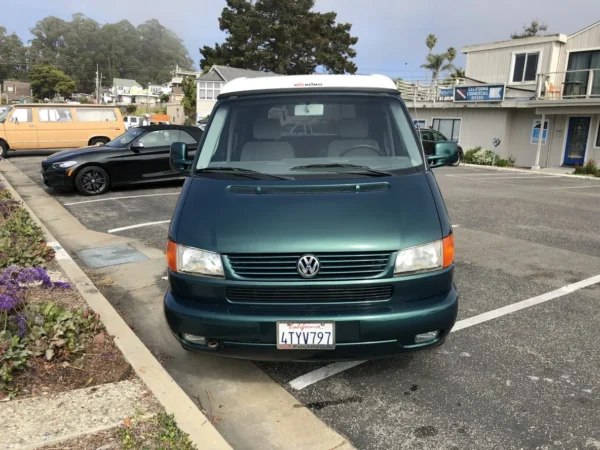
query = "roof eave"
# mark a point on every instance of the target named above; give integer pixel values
(562, 38)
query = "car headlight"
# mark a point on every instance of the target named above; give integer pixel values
(64, 164)
(194, 261)
(427, 257)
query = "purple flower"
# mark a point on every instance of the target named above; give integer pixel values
(9, 302)
(61, 285)
(21, 321)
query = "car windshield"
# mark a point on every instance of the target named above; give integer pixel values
(126, 138)
(311, 135)
(4, 113)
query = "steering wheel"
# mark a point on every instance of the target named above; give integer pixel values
(367, 146)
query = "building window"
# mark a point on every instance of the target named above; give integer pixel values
(450, 128)
(209, 90)
(525, 67)
(598, 136)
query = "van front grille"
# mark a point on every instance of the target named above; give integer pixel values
(332, 266)
(305, 295)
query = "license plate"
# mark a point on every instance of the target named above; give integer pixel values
(305, 335)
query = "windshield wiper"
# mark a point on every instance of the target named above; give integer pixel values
(356, 169)
(240, 172)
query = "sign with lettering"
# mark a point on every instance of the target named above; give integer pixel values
(484, 93)
(535, 132)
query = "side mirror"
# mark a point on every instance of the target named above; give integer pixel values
(137, 146)
(444, 154)
(179, 158)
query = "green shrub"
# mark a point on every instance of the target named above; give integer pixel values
(590, 168)
(22, 242)
(485, 157)
(130, 109)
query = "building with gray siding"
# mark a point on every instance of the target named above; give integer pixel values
(554, 79)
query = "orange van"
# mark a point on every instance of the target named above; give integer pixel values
(48, 126)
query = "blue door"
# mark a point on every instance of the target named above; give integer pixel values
(577, 136)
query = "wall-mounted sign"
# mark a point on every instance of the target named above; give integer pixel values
(487, 93)
(419, 123)
(535, 132)
(446, 92)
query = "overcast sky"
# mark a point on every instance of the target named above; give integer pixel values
(391, 32)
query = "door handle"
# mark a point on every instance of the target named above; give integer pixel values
(32, 125)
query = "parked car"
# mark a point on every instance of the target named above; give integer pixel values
(432, 138)
(140, 155)
(324, 246)
(132, 121)
(34, 126)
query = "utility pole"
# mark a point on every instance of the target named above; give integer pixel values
(100, 89)
(97, 88)
(148, 98)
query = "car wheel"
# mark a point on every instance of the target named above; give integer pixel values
(98, 141)
(3, 150)
(461, 157)
(92, 180)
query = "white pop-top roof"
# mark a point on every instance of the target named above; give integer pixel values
(309, 82)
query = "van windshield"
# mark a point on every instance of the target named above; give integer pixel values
(4, 113)
(310, 135)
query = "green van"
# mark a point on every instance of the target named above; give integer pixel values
(327, 244)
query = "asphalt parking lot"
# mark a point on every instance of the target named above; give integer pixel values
(520, 369)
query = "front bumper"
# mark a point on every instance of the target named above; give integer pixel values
(57, 178)
(362, 332)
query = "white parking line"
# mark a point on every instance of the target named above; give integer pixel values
(324, 372)
(575, 187)
(139, 225)
(120, 198)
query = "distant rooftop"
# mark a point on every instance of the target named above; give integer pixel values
(125, 82)
(227, 73)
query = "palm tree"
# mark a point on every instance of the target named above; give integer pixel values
(430, 41)
(437, 63)
(451, 55)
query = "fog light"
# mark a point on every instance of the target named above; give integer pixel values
(194, 339)
(424, 337)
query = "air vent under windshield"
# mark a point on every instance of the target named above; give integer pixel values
(315, 189)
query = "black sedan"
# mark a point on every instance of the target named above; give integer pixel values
(140, 155)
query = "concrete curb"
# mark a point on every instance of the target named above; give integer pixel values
(530, 171)
(174, 400)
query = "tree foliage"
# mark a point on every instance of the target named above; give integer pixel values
(282, 36)
(147, 53)
(189, 96)
(47, 81)
(12, 57)
(533, 29)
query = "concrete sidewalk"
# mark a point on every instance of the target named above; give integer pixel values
(249, 409)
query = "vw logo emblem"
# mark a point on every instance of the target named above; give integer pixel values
(308, 266)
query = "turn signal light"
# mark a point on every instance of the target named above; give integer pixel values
(172, 255)
(448, 246)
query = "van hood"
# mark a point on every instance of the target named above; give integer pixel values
(385, 214)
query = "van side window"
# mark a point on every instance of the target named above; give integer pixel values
(96, 115)
(22, 115)
(54, 115)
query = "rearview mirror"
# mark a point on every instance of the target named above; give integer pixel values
(445, 153)
(179, 157)
(137, 145)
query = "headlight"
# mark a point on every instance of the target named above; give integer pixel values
(419, 259)
(64, 165)
(194, 261)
